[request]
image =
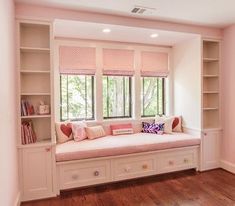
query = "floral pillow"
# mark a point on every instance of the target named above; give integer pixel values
(79, 132)
(152, 128)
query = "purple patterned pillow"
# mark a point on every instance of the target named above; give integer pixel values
(152, 128)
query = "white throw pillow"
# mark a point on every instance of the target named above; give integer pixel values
(168, 121)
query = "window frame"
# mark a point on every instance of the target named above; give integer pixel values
(130, 99)
(163, 98)
(92, 99)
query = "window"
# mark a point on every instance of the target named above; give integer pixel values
(152, 96)
(77, 97)
(116, 96)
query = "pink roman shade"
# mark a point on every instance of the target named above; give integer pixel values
(77, 60)
(118, 62)
(154, 64)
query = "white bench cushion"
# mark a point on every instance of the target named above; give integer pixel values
(123, 144)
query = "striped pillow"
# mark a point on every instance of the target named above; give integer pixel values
(119, 129)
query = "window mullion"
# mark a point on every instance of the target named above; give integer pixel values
(67, 88)
(124, 95)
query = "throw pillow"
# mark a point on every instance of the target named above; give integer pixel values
(79, 132)
(119, 129)
(152, 128)
(63, 131)
(168, 121)
(177, 124)
(95, 132)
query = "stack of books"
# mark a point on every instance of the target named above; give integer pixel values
(26, 108)
(28, 135)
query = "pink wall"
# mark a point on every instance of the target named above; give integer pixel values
(46, 13)
(228, 92)
(9, 188)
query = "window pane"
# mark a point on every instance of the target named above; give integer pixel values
(152, 96)
(116, 96)
(76, 97)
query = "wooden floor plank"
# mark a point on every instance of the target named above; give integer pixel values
(186, 188)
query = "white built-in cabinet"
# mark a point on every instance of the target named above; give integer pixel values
(37, 172)
(211, 112)
(35, 84)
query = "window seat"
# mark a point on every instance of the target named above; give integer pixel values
(123, 144)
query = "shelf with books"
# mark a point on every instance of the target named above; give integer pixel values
(39, 143)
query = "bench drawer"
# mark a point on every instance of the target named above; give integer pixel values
(84, 173)
(132, 167)
(177, 160)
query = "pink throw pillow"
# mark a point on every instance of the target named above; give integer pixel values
(95, 132)
(79, 132)
(119, 129)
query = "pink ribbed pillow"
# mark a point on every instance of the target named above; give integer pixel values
(119, 129)
(95, 132)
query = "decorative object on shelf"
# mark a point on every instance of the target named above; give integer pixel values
(26, 108)
(28, 135)
(43, 108)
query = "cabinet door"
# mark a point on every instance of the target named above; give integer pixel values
(210, 150)
(37, 173)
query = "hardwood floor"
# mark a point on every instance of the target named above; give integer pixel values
(187, 188)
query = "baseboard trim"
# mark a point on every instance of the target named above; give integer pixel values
(227, 166)
(18, 199)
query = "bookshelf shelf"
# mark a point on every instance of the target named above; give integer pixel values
(210, 59)
(44, 143)
(35, 116)
(210, 76)
(35, 94)
(35, 49)
(35, 71)
(210, 92)
(210, 108)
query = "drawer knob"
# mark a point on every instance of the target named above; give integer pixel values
(186, 160)
(145, 166)
(127, 169)
(74, 176)
(171, 162)
(48, 149)
(96, 173)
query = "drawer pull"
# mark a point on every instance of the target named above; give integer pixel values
(127, 169)
(171, 162)
(48, 149)
(96, 173)
(186, 160)
(145, 166)
(75, 177)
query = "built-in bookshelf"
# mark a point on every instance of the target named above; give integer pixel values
(211, 84)
(35, 78)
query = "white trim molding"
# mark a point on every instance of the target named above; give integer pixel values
(18, 199)
(227, 166)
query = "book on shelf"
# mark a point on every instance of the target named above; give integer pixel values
(28, 135)
(26, 108)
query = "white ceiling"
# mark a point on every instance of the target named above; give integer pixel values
(85, 30)
(216, 13)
